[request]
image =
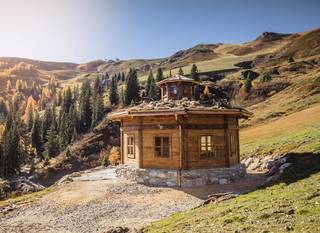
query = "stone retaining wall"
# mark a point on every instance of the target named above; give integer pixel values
(170, 177)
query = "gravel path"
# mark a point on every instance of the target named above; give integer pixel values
(97, 201)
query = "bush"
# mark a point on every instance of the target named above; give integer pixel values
(103, 157)
(266, 78)
(114, 156)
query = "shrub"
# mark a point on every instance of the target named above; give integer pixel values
(114, 156)
(290, 59)
(103, 157)
(266, 78)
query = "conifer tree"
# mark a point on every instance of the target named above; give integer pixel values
(67, 100)
(36, 134)
(97, 86)
(159, 75)
(73, 115)
(123, 77)
(122, 97)
(10, 157)
(151, 87)
(194, 73)
(52, 144)
(98, 110)
(46, 123)
(149, 80)
(113, 92)
(132, 87)
(85, 110)
(180, 72)
(247, 84)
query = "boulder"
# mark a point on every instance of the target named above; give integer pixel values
(283, 167)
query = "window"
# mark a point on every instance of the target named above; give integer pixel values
(206, 146)
(173, 89)
(162, 147)
(186, 90)
(130, 147)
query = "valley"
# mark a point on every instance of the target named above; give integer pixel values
(284, 97)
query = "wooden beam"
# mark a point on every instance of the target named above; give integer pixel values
(226, 141)
(140, 141)
(133, 127)
(238, 140)
(121, 143)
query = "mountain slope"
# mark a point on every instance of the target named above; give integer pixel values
(292, 205)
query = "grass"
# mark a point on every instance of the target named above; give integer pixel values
(223, 62)
(283, 207)
(298, 132)
(27, 197)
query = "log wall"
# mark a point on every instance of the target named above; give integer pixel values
(190, 129)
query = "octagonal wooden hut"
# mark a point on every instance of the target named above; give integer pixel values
(179, 132)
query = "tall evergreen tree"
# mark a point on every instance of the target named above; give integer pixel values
(132, 87)
(159, 75)
(52, 144)
(113, 92)
(97, 110)
(149, 80)
(194, 73)
(46, 123)
(97, 86)
(85, 110)
(67, 100)
(11, 150)
(248, 84)
(36, 134)
(151, 87)
(180, 72)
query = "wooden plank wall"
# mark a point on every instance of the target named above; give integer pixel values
(196, 125)
(131, 161)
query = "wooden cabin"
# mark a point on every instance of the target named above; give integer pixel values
(179, 132)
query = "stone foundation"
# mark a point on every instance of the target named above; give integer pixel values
(171, 177)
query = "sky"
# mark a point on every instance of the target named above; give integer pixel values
(84, 30)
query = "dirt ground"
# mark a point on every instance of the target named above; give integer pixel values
(97, 201)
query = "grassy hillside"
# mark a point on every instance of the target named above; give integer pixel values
(292, 205)
(298, 132)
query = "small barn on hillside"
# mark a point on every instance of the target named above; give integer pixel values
(179, 135)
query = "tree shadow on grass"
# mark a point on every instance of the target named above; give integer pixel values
(302, 166)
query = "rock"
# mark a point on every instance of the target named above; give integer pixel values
(283, 167)
(273, 171)
(255, 164)
(273, 179)
(247, 161)
(119, 230)
(169, 177)
(223, 181)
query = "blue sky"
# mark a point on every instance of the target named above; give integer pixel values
(84, 30)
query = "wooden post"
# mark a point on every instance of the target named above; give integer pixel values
(140, 142)
(238, 140)
(121, 143)
(226, 140)
(181, 148)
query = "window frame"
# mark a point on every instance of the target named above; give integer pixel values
(131, 156)
(161, 147)
(208, 153)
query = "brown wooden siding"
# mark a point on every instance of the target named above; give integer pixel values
(149, 159)
(146, 128)
(131, 161)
